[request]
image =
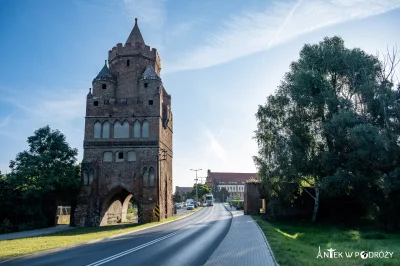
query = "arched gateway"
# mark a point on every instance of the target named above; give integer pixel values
(128, 138)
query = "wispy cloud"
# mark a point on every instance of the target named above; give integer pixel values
(4, 121)
(216, 148)
(151, 12)
(59, 108)
(183, 27)
(251, 32)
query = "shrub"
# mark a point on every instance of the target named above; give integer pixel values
(6, 226)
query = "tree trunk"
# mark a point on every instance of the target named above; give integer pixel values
(316, 204)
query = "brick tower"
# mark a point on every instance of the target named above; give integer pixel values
(128, 138)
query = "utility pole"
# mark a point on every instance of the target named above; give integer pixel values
(197, 197)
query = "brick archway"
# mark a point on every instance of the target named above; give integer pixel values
(115, 205)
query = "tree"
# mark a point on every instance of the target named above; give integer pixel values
(46, 172)
(201, 190)
(327, 126)
(221, 193)
(177, 197)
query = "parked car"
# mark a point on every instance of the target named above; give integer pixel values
(195, 204)
(184, 204)
(190, 206)
(178, 205)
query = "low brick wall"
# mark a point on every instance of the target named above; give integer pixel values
(252, 199)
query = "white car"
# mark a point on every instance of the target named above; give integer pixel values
(190, 206)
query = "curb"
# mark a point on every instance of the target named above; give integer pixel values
(262, 233)
(90, 241)
(266, 242)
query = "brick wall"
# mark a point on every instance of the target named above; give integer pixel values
(127, 97)
(252, 201)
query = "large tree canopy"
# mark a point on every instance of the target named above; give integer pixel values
(48, 165)
(40, 177)
(333, 124)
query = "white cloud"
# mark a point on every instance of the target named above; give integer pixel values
(252, 32)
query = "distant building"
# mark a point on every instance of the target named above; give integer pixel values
(183, 191)
(232, 182)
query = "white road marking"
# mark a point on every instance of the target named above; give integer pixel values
(116, 256)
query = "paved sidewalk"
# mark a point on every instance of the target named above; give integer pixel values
(37, 232)
(245, 244)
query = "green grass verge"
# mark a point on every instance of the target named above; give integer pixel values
(297, 244)
(24, 246)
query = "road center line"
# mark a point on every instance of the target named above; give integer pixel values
(126, 252)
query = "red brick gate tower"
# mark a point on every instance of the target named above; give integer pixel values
(128, 138)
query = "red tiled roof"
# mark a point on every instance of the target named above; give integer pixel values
(232, 177)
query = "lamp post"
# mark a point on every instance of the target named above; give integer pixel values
(197, 197)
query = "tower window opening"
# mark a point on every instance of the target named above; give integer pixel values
(127, 62)
(150, 102)
(104, 86)
(146, 85)
(96, 103)
(120, 155)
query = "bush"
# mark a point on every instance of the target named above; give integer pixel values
(6, 226)
(373, 235)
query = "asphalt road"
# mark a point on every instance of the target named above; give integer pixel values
(189, 241)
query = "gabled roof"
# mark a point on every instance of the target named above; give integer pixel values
(135, 35)
(232, 177)
(149, 73)
(104, 74)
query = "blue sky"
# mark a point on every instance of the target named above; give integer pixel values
(221, 59)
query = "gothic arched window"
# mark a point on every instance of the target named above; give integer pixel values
(91, 176)
(151, 176)
(121, 130)
(107, 156)
(145, 177)
(131, 156)
(105, 133)
(145, 129)
(97, 130)
(136, 129)
(85, 177)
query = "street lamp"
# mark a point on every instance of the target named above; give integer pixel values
(197, 197)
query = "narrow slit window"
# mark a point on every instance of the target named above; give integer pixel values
(119, 156)
(150, 102)
(96, 103)
(146, 85)
(104, 86)
(127, 62)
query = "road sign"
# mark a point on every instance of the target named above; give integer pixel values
(157, 211)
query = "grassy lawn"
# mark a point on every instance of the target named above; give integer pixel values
(24, 246)
(297, 244)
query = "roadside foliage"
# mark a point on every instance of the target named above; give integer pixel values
(328, 138)
(41, 176)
